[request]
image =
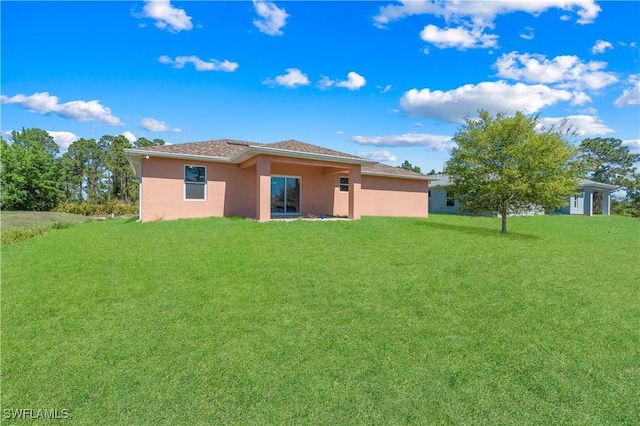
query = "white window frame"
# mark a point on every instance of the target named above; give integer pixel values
(184, 182)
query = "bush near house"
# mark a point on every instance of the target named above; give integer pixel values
(116, 208)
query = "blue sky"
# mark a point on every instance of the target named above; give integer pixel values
(391, 81)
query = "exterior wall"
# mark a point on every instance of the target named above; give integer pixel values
(576, 204)
(316, 187)
(583, 203)
(230, 190)
(438, 202)
(382, 196)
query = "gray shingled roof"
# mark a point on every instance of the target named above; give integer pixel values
(222, 148)
(383, 169)
(229, 148)
(297, 146)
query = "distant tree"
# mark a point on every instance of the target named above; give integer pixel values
(408, 166)
(142, 142)
(502, 165)
(432, 172)
(119, 172)
(29, 171)
(83, 170)
(606, 160)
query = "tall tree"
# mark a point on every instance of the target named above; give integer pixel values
(608, 161)
(117, 167)
(29, 171)
(502, 165)
(84, 170)
(408, 166)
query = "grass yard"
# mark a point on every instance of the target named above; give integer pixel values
(378, 321)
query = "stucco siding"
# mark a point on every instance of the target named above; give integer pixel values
(230, 190)
(382, 196)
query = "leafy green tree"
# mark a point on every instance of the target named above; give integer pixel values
(84, 171)
(29, 171)
(502, 165)
(117, 167)
(142, 142)
(408, 166)
(608, 161)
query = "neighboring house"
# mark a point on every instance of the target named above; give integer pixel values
(592, 198)
(265, 181)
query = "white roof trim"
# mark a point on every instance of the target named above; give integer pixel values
(427, 178)
(250, 152)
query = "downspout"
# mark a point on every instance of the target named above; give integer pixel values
(139, 163)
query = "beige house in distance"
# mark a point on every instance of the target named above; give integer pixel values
(266, 181)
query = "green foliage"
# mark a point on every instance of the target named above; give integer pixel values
(502, 165)
(608, 161)
(29, 171)
(92, 209)
(408, 166)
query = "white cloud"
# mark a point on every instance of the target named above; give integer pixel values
(583, 125)
(381, 155)
(130, 136)
(354, 81)
(62, 138)
(564, 71)
(453, 105)
(44, 103)
(384, 89)
(293, 78)
(153, 125)
(629, 96)
(272, 18)
(199, 64)
(339, 132)
(166, 16)
(529, 35)
(432, 142)
(633, 144)
(601, 46)
(482, 12)
(460, 37)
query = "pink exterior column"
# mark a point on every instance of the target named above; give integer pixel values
(355, 184)
(263, 189)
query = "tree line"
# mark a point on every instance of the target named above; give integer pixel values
(34, 176)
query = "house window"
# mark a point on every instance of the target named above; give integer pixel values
(450, 200)
(195, 182)
(344, 184)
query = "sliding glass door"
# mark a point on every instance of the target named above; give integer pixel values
(285, 195)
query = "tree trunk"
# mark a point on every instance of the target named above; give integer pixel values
(504, 222)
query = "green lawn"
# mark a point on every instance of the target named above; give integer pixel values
(379, 321)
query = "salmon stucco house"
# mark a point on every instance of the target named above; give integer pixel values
(275, 180)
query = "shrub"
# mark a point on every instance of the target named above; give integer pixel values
(117, 208)
(15, 235)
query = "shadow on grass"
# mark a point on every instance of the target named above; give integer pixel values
(478, 230)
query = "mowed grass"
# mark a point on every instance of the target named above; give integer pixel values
(379, 321)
